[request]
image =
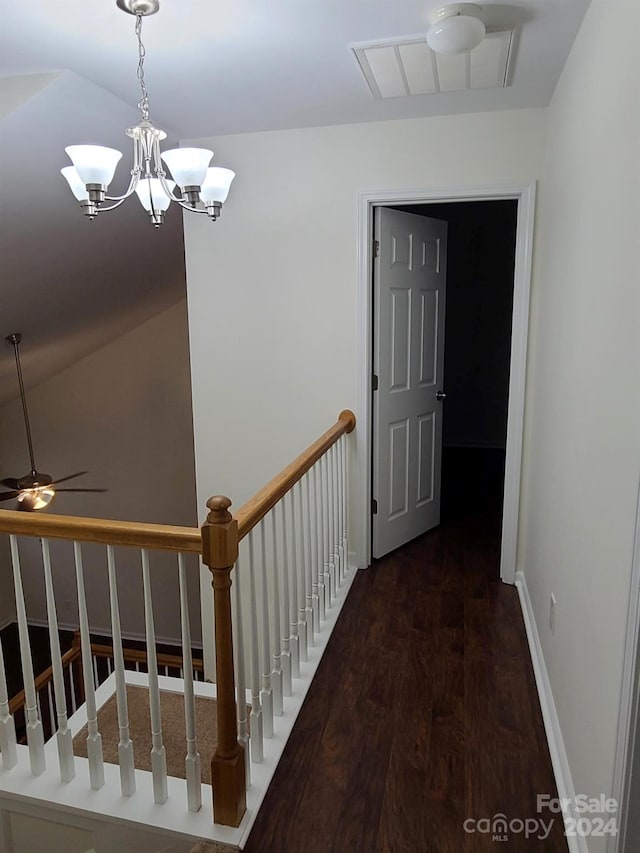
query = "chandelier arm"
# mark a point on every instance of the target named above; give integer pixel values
(189, 208)
(102, 209)
(165, 186)
(135, 177)
(135, 173)
(160, 173)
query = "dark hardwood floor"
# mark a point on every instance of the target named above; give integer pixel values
(424, 711)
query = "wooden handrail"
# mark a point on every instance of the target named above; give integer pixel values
(103, 651)
(255, 509)
(133, 534)
(140, 656)
(18, 701)
(172, 537)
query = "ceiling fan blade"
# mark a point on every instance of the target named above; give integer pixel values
(68, 477)
(81, 490)
(9, 496)
(10, 483)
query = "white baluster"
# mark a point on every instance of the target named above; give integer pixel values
(63, 733)
(330, 530)
(341, 554)
(35, 734)
(241, 678)
(255, 724)
(125, 745)
(317, 550)
(96, 679)
(158, 752)
(293, 597)
(322, 558)
(332, 536)
(94, 739)
(325, 533)
(339, 543)
(276, 673)
(192, 759)
(301, 572)
(308, 580)
(335, 501)
(286, 635)
(7, 725)
(345, 501)
(266, 694)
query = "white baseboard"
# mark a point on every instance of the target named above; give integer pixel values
(559, 760)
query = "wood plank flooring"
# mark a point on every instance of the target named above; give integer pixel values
(423, 713)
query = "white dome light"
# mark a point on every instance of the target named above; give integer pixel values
(456, 28)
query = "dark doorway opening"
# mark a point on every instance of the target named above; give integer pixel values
(480, 275)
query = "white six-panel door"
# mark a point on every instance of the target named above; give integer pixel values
(409, 304)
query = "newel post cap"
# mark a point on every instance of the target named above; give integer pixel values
(218, 507)
(219, 535)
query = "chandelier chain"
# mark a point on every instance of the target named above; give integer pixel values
(143, 103)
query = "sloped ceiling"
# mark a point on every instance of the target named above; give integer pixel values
(67, 75)
(67, 283)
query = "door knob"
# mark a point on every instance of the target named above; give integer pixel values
(440, 395)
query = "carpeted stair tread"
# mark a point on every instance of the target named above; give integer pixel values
(173, 731)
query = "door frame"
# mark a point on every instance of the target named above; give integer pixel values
(524, 194)
(629, 713)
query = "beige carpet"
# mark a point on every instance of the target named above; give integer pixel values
(173, 731)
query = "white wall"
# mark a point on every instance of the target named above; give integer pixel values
(582, 442)
(124, 414)
(272, 286)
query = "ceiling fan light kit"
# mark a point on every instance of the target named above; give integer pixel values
(456, 28)
(202, 188)
(35, 490)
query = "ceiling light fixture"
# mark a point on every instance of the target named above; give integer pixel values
(35, 490)
(456, 28)
(203, 188)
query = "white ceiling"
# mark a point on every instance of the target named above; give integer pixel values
(213, 67)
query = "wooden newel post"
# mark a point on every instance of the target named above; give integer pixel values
(219, 553)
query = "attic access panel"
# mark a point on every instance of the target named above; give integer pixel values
(399, 68)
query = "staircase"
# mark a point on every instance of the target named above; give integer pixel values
(146, 756)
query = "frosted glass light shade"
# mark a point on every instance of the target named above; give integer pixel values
(95, 164)
(216, 184)
(158, 196)
(188, 165)
(456, 29)
(75, 182)
(34, 499)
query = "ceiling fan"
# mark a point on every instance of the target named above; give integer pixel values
(35, 490)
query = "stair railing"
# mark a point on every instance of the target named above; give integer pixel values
(101, 666)
(146, 538)
(289, 546)
(294, 560)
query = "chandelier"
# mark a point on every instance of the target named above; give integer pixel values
(201, 188)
